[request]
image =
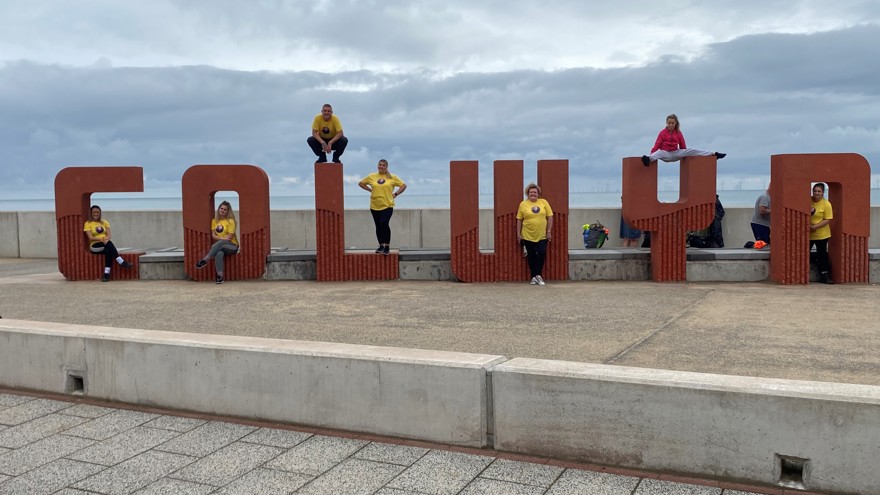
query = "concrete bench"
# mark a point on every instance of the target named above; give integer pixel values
(703, 265)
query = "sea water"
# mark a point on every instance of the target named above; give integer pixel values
(138, 202)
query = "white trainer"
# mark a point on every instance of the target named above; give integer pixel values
(540, 280)
(534, 281)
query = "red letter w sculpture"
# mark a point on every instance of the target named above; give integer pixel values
(668, 223)
(506, 264)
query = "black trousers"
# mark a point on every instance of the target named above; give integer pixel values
(107, 249)
(382, 219)
(338, 148)
(536, 254)
(822, 255)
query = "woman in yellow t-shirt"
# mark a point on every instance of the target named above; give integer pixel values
(534, 228)
(98, 231)
(820, 231)
(225, 241)
(381, 185)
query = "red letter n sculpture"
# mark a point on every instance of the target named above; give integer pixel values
(200, 183)
(669, 222)
(507, 263)
(73, 190)
(333, 263)
(848, 176)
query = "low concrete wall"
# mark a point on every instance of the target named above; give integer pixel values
(428, 395)
(807, 435)
(295, 229)
(728, 427)
(9, 239)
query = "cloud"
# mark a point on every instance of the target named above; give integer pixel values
(751, 97)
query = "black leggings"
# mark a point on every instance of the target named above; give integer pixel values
(382, 219)
(822, 255)
(536, 253)
(108, 250)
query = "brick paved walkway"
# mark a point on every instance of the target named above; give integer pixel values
(68, 448)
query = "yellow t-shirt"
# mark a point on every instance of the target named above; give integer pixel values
(224, 227)
(97, 229)
(326, 129)
(821, 211)
(534, 219)
(383, 186)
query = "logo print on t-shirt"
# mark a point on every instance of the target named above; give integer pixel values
(325, 130)
(99, 229)
(219, 228)
(380, 181)
(536, 209)
(812, 211)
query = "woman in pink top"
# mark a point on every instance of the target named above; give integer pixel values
(670, 146)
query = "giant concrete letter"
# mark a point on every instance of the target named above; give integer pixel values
(506, 264)
(73, 190)
(668, 223)
(849, 190)
(333, 263)
(200, 183)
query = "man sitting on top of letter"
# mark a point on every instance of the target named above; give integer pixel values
(327, 135)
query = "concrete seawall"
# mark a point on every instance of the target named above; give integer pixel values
(35, 233)
(781, 433)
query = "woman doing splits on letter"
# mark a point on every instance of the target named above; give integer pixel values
(98, 231)
(534, 226)
(381, 185)
(670, 145)
(223, 234)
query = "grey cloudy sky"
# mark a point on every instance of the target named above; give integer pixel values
(167, 84)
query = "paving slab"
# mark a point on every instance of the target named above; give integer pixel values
(41, 452)
(8, 400)
(483, 486)
(135, 473)
(29, 410)
(316, 455)
(403, 455)
(225, 465)
(573, 482)
(522, 473)
(170, 486)
(37, 429)
(175, 423)
(123, 446)
(49, 478)
(354, 477)
(277, 438)
(265, 481)
(87, 411)
(662, 487)
(441, 472)
(205, 439)
(111, 424)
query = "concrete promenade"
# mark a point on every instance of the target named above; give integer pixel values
(760, 330)
(815, 332)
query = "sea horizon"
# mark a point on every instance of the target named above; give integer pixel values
(139, 202)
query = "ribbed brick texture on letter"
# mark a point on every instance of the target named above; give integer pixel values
(507, 262)
(200, 183)
(333, 263)
(669, 222)
(73, 191)
(848, 177)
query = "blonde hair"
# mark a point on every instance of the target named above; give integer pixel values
(675, 118)
(229, 216)
(532, 185)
